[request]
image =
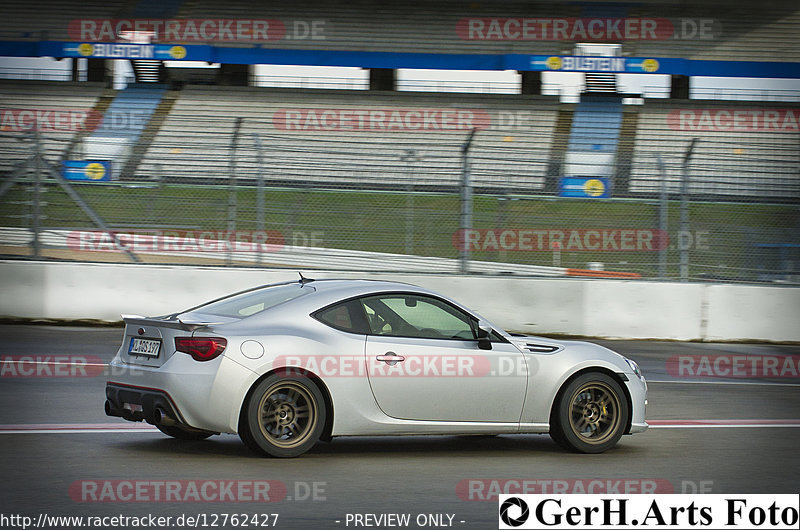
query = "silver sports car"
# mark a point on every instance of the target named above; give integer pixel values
(289, 364)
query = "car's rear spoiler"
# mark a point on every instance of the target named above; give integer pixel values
(176, 323)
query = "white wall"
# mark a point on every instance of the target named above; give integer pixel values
(595, 308)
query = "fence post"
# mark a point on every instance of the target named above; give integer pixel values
(232, 191)
(466, 202)
(684, 231)
(409, 158)
(663, 219)
(259, 193)
(37, 191)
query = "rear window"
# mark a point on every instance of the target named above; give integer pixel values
(345, 316)
(253, 302)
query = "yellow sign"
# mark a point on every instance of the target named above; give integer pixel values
(554, 63)
(86, 49)
(594, 188)
(650, 65)
(95, 171)
(177, 52)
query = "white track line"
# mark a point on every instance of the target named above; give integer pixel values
(695, 382)
(75, 431)
(709, 426)
(716, 424)
(75, 428)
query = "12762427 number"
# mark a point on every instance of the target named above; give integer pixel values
(228, 520)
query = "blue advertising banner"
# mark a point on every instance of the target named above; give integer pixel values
(87, 170)
(439, 61)
(585, 187)
(626, 65)
(113, 50)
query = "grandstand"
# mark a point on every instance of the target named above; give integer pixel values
(60, 99)
(334, 137)
(744, 149)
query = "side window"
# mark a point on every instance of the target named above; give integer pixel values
(411, 315)
(345, 316)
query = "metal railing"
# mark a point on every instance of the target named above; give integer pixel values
(727, 93)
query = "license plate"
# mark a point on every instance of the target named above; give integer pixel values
(145, 347)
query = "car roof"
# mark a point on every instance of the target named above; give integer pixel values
(330, 291)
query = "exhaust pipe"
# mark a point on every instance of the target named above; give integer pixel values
(160, 417)
(111, 410)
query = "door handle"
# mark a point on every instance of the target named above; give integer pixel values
(390, 358)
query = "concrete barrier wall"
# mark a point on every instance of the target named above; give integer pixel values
(628, 309)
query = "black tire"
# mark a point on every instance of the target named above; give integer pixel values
(590, 414)
(182, 434)
(284, 416)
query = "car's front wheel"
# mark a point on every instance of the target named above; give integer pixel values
(284, 416)
(590, 415)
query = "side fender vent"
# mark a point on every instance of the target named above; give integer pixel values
(541, 348)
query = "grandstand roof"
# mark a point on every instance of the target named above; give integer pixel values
(709, 30)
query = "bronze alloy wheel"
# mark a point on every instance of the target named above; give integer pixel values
(284, 416)
(591, 413)
(594, 412)
(288, 414)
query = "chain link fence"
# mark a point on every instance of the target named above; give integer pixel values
(214, 186)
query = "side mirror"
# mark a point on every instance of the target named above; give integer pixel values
(484, 335)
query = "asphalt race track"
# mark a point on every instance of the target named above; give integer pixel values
(62, 456)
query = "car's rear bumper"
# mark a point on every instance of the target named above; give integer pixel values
(139, 403)
(201, 395)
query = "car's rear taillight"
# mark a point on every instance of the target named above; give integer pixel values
(201, 348)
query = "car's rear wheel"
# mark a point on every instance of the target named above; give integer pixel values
(590, 415)
(183, 434)
(284, 416)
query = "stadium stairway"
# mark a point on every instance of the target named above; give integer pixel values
(100, 108)
(123, 124)
(559, 146)
(149, 133)
(625, 145)
(594, 136)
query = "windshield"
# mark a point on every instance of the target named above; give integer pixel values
(252, 302)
